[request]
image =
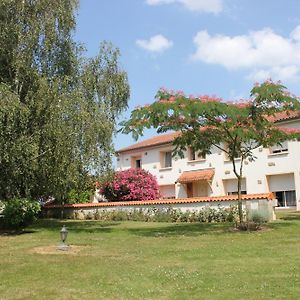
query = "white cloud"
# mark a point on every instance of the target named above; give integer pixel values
(157, 43)
(288, 73)
(206, 6)
(263, 53)
(235, 96)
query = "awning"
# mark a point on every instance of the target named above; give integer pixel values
(191, 176)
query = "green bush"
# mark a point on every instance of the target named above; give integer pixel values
(19, 213)
(254, 220)
(259, 217)
(248, 226)
(75, 197)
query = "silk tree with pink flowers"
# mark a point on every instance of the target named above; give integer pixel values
(235, 128)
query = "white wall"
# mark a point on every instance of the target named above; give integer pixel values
(248, 205)
(167, 191)
(230, 185)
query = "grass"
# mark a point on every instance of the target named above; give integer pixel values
(134, 260)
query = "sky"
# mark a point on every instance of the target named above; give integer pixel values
(202, 47)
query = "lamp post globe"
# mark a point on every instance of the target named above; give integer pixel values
(64, 234)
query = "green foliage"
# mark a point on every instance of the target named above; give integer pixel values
(254, 220)
(78, 197)
(248, 226)
(258, 216)
(205, 215)
(19, 213)
(58, 109)
(206, 122)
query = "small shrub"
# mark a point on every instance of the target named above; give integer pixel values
(258, 217)
(19, 213)
(248, 226)
(2, 205)
(97, 215)
(75, 197)
(90, 216)
(254, 221)
(231, 214)
(79, 215)
(161, 215)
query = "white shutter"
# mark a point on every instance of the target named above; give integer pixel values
(282, 182)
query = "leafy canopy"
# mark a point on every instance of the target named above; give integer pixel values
(234, 127)
(58, 109)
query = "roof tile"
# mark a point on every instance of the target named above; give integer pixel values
(196, 175)
(268, 196)
(283, 116)
(156, 140)
(169, 137)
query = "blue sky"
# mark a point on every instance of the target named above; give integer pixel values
(214, 47)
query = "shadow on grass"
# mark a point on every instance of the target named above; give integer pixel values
(15, 232)
(171, 229)
(183, 229)
(292, 216)
(87, 226)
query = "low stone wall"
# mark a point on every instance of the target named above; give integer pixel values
(254, 202)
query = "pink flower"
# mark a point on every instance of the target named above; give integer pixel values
(132, 184)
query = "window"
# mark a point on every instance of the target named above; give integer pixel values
(193, 155)
(231, 186)
(136, 162)
(166, 159)
(286, 198)
(283, 148)
(235, 193)
(167, 191)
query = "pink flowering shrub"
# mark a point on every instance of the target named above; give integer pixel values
(130, 185)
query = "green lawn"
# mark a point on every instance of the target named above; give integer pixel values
(133, 260)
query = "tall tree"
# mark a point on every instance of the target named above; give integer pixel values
(205, 122)
(58, 110)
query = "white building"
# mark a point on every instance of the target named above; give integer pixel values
(275, 170)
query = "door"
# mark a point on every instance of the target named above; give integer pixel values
(189, 189)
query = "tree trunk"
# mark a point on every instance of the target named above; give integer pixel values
(239, 176)
(240, 208)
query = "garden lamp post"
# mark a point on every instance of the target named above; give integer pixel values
(63, 236)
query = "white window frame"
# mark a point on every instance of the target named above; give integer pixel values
(166, 161)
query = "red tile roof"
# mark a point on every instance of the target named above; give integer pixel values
(169, 137)
(283, 116)
(190, 176)
(154, 141)
(267, 196)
